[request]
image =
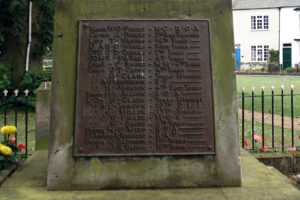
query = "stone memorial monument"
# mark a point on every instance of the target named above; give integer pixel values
(143, 95)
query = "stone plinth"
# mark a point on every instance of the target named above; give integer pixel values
(185, 171)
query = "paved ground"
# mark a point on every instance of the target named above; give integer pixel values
(259, 182)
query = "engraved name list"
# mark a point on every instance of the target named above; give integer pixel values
(144, 87)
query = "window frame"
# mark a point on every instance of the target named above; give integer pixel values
(260, 53)
(260, 22)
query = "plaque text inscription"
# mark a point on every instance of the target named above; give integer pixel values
(144, 88)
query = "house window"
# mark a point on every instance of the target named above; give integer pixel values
(260, 22)
(253, 22)
(266, 52)
(259, 53)
(253, 53)
(266, 22)
(299, 22)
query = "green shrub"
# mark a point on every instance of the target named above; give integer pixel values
(290, 70)
(274, 56)
(30, 81)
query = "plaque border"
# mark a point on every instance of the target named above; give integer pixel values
(79, 42)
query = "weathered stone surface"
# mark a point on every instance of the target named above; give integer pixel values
(298, 178)
(42, 110)
(67, 172)
(4, 174)
(296, 156)
(281, 161)
(259, 182)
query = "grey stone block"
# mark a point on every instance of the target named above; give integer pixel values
(43, 99)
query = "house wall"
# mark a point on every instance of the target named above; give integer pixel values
(290, 30)
(246, 37)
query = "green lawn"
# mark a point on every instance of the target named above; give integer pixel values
(268, 135)
(21, 128)
(248, 82)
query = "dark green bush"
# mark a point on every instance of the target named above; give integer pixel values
(273, 56)
(290, 70)
(30, 81)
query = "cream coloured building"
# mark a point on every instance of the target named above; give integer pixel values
(262, 25)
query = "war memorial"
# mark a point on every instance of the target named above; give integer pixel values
(143, 96)
(143, 107)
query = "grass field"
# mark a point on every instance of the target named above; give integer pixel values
(21, 128)
(268, 135)
(248, 82)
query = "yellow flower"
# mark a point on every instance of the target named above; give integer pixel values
(5, 150)
(8, 130)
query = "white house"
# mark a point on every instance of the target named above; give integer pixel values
(261, 25)
(290, 36)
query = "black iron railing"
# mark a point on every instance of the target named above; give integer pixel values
(11, 104)
(251, 108)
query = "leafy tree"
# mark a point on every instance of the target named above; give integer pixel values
(14, 33)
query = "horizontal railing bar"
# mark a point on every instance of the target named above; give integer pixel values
(268, 147)
(275, 95)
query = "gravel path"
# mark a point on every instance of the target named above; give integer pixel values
(268, 119)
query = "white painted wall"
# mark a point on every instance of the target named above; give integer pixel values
(290, 30)
(246, 37)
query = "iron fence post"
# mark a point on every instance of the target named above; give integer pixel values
(26, 121)
(5, 92)
(292, 113)
(243, 118)
(253, 88)
(16, 113)
(272, 87)
(282, 119)
(262, 116)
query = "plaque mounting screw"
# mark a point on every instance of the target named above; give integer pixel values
(210, 148)
(80, 149)
(86, 25)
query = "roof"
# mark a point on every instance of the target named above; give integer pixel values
(259, 4)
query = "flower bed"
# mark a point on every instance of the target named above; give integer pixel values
(9, 150)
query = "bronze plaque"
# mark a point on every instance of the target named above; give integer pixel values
(144, 87)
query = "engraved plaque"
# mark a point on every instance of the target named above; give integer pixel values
(144, 87)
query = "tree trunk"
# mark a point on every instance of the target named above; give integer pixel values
(16, 50)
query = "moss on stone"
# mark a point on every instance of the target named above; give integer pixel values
(42, 143)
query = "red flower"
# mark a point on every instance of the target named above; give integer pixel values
(257, 138)
(264, 149)
(12, 139)
(293, 149)
(21, 146)
(245, 143)
(299, 136)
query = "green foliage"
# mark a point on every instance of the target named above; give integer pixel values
(290, 70)
(7, 161)
(44, 31)
(5, 78)
(14, 21)
(30, 81)
(13, 17)
(274, 56)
